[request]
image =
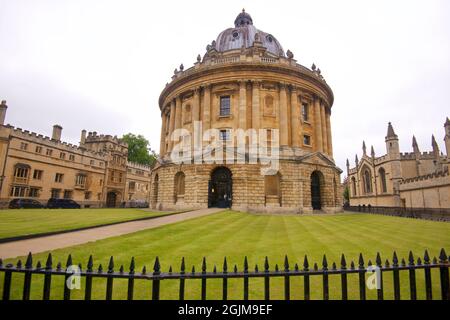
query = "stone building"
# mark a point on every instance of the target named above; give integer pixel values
(94, 174)
(246, 81)
(411, 180)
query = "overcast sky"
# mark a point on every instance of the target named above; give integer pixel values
(101, 65)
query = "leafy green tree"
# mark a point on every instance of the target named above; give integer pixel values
(139, 150)
(346, 194)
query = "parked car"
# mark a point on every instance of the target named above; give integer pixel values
(54, 203)
(136, 204)
(25, 203)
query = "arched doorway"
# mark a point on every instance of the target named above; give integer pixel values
(111, 198)
(220, 188)
(316, 197)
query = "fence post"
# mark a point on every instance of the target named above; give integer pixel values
(380, 294)
(428, 289)
(7, 283)
(325, 278)
(204, 279)
(89, 270)
(27, 280)
(412, 277)
(445, 285)
(396, 277)
(306, 278)
(245, 278)
(362, 278)
(225, 279)
(266, 280)
(155, 281)
(287, 285)
(344, 278)
(130, 292)
(109, 280)
(47, 278)
(182, 272)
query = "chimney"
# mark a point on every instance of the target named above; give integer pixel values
(3, 108)
(56, 134)
(83, 137)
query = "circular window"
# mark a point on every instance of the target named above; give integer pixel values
(235, 34)
(270, 39)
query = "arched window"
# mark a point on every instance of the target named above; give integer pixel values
(187, 114)
(367, 181)
(179, 186)
(268, 105)
(382, 175)
(354, 186)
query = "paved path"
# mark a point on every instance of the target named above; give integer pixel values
(46, 243)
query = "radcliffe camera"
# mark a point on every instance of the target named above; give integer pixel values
(224, 158)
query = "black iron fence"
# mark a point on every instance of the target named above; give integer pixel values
(420, 213)
(393, 269)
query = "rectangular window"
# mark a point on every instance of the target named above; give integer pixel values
(59, 177)
(23, 146)
(38, 149)
(87, 195)
(17, 191)
(67, 194)
(80, 180)
(55, 193)
(305, 112)
(92, 162)
(49, 152)
(72, 157)
(306, 140)
(120, 177)
(131, 186)
(225, 106)
(62, 155)
(37, 174)
(34, 193)
(225, 135)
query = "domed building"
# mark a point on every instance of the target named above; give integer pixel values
(246, 127)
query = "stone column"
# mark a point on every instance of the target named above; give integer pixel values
(163, 134)
(256, 105)
(196, 106)
(295, 119)
(318, 124)
(330, 143)
(324, 128)
(179, 113)
(171, 124)
(207, 107)
(243, 104)
(284, 136)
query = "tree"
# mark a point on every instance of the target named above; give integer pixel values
(139, 150)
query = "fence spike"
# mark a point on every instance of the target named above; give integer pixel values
(215, 269)
(183, 265)
(193, 269)
(395, 260)
(1, 262)
(352, 265)
(333, 266)
(29, 261)
(296, 267)
(286, 263)
(204, 265)
(58, 266)
(426, 258)
(225, 265)
(386, 263)
(305, 263)
(378, 260)
(411, 258)
(100, 268)
(245, 264)
(170, 269)
(403, 263)
(276, 267)
(121, 268)
(48, 263)
(343, 262)
(419, 261)
(132, 266)
(315, 266)
(361, 261)
(144, 270)
(324, 263)
(369, 263)
(90, 264)
(434, 260)
(256, 268)
(38, 265)
(235, 269)
(111, 265)
(79, 266)
(69, 261)
(266, 264)
(442, 256)
(156, 266)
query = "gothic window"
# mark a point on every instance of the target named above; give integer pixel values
(367, 181)
(382, 175)
(225, 106)
(80, 180)
(268, 105)
(354, 186)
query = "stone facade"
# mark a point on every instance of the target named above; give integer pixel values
(246, 81)
(94, 174)
(410, 180)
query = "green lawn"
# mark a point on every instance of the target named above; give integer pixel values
(20, 222)
(236, 235)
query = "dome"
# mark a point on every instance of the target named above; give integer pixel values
(243, 35)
